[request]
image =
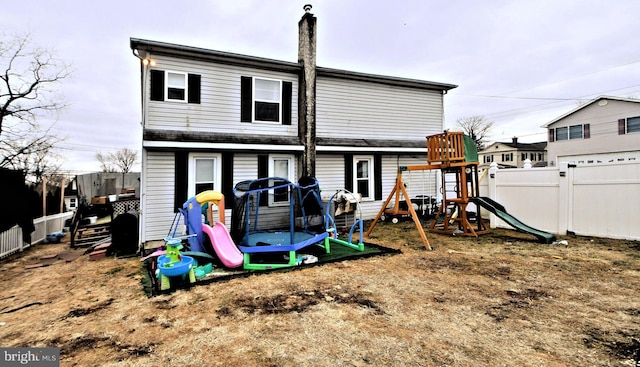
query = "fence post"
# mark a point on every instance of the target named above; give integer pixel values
(493, 169)
(565, 197)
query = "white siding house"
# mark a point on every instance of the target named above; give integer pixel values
(607, 129)
(212, 119)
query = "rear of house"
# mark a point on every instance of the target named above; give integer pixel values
(212, 119)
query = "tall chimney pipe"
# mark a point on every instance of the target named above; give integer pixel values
(307, 94)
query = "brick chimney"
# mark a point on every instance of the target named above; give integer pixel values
(307, 90)
(515, 140)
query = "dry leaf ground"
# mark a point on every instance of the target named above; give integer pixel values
(497, 300)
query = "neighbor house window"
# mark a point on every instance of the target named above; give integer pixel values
(363, 176)
(575, 132)
(265, 100)
(280, 166)
(488, 158)
(174, 86)
(204, 173)
(629, 125)
(562, 133)
(507, 157)
(570, 132)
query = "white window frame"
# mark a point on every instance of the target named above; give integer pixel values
(254, 100)
(370, 178)
(217, 180)
(272, 173)
(167, 85)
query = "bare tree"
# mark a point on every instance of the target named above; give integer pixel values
(124, 159)
(106, 164)
(477, 128)
(120, 161)
(27, 89)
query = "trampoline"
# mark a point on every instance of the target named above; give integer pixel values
(273, 218)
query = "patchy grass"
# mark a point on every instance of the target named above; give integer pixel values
(497, 300)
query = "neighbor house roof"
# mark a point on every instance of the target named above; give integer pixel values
(588, 104)
(520, 146)
(143, 46)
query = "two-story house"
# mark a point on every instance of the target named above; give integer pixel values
(513, 154)
(211, 119)
(605, 129)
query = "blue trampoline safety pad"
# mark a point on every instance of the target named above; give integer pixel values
(280, 241)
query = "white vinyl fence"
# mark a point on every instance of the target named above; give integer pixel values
(600, 200)
(11, 239)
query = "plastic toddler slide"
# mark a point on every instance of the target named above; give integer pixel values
(223, 245)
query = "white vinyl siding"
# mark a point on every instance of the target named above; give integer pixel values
(330, 175)
(219, 109)
(245, 167)
(159, 190)
(359, 110)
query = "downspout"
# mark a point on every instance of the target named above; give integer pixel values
(307, 90)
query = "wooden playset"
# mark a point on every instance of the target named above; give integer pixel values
(456, 156)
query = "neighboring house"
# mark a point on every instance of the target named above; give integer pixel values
(71, 195)
(212, 119)
(104, 184)
(513, 154)
(606, 129)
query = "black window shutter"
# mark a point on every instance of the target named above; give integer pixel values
(348, 172)
(263, 172)
(157, 85)
(621, 126)
(227, 178)
(287, 88)
(181, 179)
(377, 177)
(194, 88)
(246, 98)
(552, 135)
(586, 131)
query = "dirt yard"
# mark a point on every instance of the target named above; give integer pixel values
(497, 300)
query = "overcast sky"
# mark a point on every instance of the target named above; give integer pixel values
(518, 63)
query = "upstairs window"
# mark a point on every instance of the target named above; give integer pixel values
(174, 86)
(265, 100)
(629, 125)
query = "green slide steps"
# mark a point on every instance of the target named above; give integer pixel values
(501, 212)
